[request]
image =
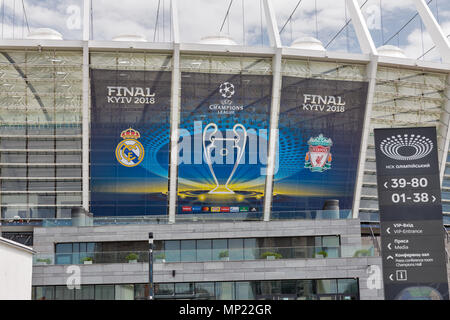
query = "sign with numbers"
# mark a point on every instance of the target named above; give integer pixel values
(409, 196)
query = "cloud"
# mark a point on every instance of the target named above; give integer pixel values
(199, 18)
(414, 48)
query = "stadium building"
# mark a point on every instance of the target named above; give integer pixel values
(252, 166)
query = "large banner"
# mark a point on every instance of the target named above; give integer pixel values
(130, 124)
(320, 131)
(224, 124)
(409, 196)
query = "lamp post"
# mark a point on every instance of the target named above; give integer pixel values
(150, 266)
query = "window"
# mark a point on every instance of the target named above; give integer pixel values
(13, 185)
(13, 172)
(250, 249)
(41, 172)
(41, 185)
(236, 249)
(204, 290)
(124, 292)
(11, 157)
(42, 212)
(172, 250)
(166, 289)
(220, 248)
(288, 286)
(184, 288)
(204, 252)
(305, 289)
(310, 289)
(68, 186)
(86, 292)
(68, 144)
(73, 253)
(68, 172)
(326, 286)
(41, 158)
(68, 158)
(188, 252)
(331, 245)
(44, 293)
(269, 288)
(244, 291)
(348, 287)
(40, 144)
(63, 253)
(104, 292)
(225, 291)
(64, 293)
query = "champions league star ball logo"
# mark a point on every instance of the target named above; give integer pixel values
(406, 147)
(318, 157)
(226, 89)
(130, 152)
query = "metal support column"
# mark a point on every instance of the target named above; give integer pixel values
(174, 114)
(362, 32)
(85, 107)
(368, 47)
(371, 76)
(275, 42)
(151, 287)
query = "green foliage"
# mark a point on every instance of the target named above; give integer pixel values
(271, 254)
(362, 253)
(224, 254)
(47, 261)
(160, 256)
(321, 253)
(86, 259)
(132, 256)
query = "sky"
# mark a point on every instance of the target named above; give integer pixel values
(245, 23)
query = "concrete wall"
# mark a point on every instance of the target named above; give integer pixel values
(349, 231)
(216, 271)
(16, 267)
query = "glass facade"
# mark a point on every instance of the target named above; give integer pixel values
(40, 133)
(236, 249)
(250, 248)
(41, 112)
(100, 252)
(311, 289)
(403, 98)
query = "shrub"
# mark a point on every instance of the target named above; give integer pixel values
(322, 253)
(47, 261)
(160, 256)
(223, 254)
(362, 253)
(132, 256)
(271, 254)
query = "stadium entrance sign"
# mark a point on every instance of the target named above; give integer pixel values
(409, 195)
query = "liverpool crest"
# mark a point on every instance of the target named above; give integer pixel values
(130, 152)
(318, 157)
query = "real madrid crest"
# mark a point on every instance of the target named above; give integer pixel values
(318, 157)
(130, 152)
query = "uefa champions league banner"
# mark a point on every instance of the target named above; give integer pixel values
(130, 124)
(320, 128)
(224, 124)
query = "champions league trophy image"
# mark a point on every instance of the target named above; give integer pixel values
(223, 173)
